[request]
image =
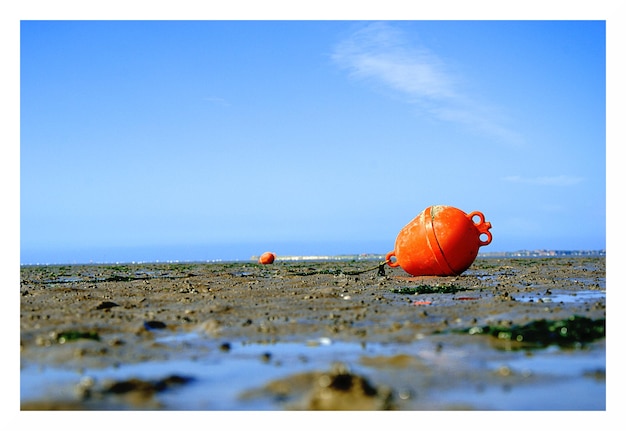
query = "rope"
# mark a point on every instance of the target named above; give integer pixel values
(380, 266)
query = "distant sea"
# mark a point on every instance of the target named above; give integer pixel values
(224, 252)
(236, 252)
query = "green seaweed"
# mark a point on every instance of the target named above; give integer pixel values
(424, 288)
(77, 335)
(564, 332)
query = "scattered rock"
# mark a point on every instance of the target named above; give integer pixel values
(105, 305)
(154, 324)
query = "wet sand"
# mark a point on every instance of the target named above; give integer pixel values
(507, 334)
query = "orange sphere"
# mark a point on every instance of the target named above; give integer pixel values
(267, 257)
(441, 240)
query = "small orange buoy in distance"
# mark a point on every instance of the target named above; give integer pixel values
(267, 257)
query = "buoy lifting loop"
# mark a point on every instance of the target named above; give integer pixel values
(487, 241)
(482, 225)
(391, 263)
(479, 214)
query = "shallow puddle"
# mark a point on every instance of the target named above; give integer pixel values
(579, 296)
(444, 376)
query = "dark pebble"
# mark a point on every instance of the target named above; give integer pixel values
(105, 305)
(154, 324)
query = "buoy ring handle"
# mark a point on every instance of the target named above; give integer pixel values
(391, 263)
(482, 226)
(487, 241)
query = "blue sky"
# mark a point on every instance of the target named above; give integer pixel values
(194, 140)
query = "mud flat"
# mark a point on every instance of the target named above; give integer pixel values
(508, 334)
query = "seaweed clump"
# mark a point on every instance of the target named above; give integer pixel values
(77, 335)
(564, 332)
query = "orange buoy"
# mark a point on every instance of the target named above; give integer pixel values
(441, 240)
(267, 257)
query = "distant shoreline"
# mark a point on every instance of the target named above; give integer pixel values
(519, 253)
(544, 253)
(341, 257)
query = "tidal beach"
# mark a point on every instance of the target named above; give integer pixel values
(507, 334)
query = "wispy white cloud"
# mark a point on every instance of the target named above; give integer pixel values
(381, 53)
(558, 180)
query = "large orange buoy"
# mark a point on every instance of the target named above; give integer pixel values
(441, 240)
(267, 258)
